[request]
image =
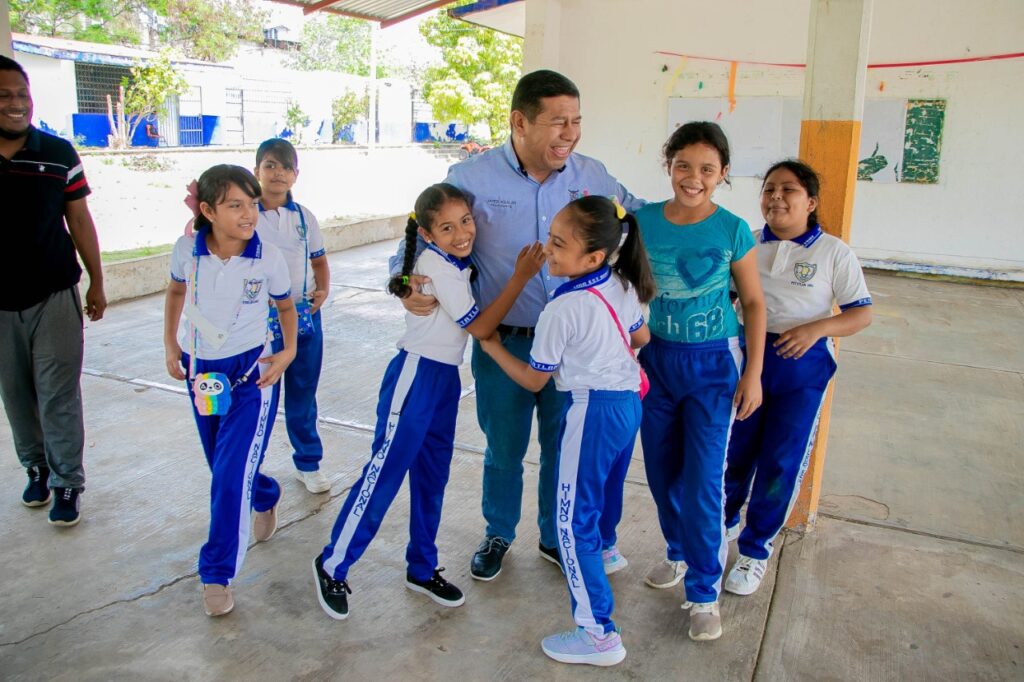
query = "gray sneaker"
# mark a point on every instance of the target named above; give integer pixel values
(705, 621)
(666, 574)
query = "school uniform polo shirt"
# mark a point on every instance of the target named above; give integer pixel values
(511, 210)
(295, 231)
(578, 340)
(233, 294)
(442, 334)
(35, 186)
(802, 277)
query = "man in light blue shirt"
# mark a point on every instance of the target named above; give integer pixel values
(516, 190)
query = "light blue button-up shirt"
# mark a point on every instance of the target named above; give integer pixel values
(511, 210)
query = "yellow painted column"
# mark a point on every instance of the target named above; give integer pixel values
(837, 58)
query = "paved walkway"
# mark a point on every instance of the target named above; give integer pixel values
(914, 572)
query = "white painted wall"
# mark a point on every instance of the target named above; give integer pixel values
(974, 216)
(51, 105)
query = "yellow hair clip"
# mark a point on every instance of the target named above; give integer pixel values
(412, 215)
(620, 212)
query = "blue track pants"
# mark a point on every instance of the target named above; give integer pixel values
(685, 434)
(598, 433)
(505, 412)
(234, 445)
(300, 383)
(771, 448)
(416, 412)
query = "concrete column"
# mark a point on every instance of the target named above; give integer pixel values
(541, 39)
(837, 58)
(6, 49)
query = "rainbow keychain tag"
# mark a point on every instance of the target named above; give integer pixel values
(212, 394)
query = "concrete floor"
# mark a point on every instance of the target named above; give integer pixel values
(914, 571)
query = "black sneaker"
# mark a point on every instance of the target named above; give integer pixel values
(486, 564)
(437, 588)
(37, 493)
(64, 511)
(551, 554)
(332, 594)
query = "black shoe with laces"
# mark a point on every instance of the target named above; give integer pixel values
(37, 493)
(332, 594)
(551, 554)
(437, 588)
(64, 511)
(486, 564)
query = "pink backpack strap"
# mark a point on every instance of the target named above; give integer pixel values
(618, 325)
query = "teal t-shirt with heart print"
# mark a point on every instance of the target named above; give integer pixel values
(691, 265)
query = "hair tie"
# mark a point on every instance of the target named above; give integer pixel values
(620, 212)
(192, 201)
(412, 216)
(405, 278)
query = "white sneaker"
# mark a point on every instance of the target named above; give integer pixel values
(705, 621)
(666, 573)
(732, 534)
(745, 577)
(315, 481)
(613, 560)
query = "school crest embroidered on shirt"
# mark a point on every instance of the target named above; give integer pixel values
(252, 289)
(804, 272)
(575, 194)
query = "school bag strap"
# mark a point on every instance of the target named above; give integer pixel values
(644, 381)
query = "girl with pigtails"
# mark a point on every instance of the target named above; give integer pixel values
(585, 338)
(419, 401)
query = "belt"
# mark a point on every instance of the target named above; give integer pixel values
(509, 330)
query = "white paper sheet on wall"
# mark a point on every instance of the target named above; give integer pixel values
(763, 130)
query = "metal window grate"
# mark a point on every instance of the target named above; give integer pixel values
(93, 82)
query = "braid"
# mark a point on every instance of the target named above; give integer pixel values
(399, 284)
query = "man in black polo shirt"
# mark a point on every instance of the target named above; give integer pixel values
(42, 189)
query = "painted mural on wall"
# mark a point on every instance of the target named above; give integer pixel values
(901, 139)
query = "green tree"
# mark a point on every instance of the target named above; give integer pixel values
(334, 43)
(98, 21)
(347, 109)
(142, 95)
(296, 119)
(211, 29)
(479, 73)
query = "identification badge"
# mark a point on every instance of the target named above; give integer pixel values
(212, 336)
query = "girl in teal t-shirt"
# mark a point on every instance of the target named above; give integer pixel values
(694, 362)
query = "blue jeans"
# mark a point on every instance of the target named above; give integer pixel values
(505, 412)
(299, 383)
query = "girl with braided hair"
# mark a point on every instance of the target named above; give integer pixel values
(419, 401)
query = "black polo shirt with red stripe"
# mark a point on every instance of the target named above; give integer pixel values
(35, 185)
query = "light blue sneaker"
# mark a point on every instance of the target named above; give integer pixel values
(579, 646)
(613, 560)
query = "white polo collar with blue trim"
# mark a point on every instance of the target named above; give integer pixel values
(289, 204)
(253, 249)
(587, 281)
(805, 240)
(460, 263)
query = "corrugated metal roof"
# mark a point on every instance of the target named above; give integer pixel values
(386, 12)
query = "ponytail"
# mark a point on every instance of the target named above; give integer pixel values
(399, 284)
(632, 263)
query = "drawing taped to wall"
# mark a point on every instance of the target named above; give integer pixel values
(900, 139)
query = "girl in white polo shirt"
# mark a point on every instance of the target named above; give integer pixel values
(419, 401)
(295, 231)
(585, 336)
(222, 278)
(803, 272)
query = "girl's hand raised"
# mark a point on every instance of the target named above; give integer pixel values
(278, 364)
(529, 261)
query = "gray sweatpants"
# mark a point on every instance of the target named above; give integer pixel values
(40, 373)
